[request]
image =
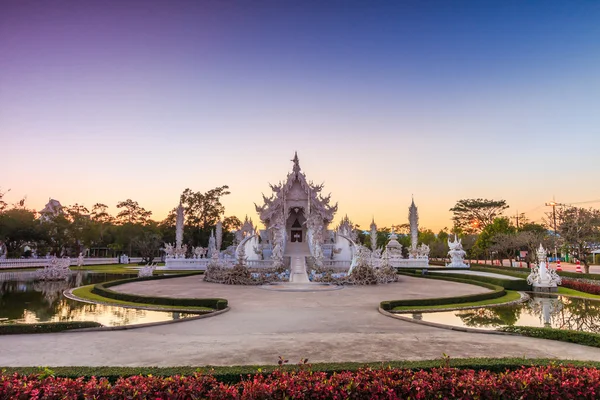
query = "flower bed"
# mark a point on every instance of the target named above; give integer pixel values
(548, 382)
(581, 286)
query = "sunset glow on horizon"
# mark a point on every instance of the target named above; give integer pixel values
(101, 102)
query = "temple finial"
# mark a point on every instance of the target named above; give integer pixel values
(296, 163)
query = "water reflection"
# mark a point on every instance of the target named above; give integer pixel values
(23, 300)
(540, 311)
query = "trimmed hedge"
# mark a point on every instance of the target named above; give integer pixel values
(547, 382)
(510, 284)
(595, 277)
(497, 291)
(102, 289)
(45, 327)
(563, 335)
(581, 286)
(235, 374)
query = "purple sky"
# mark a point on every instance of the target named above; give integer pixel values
(103, 101)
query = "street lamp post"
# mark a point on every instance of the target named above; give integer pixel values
(553, 204)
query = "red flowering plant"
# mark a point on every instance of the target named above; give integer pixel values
(546, 382)
(581, 286)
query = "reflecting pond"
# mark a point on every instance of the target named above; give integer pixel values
(553, 311)
(24, 300)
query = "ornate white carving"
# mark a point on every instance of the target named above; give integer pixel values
(146, 271)
(56, 269)
(199, 251)
(413, 219)
(541, 276)
(212, 245)
(456, 253)
(423, 251)
(179, 227)
(373, 235)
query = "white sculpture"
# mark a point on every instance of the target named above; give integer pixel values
(124, 259)
(199, 251)
(456, 253)
(56, 269)
(423, 251)
(413, 218)
(212, 245)
(80, 260)
(541, 278)
(2, 251)
(169, 250)
(179, 227)
(314, 224)
(146, 271)
(394, 248)
(278, 229)
(373, 235)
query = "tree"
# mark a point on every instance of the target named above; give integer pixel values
(79, 228)
(485, 240)
(147, 244)
(132, 213)
(203, 210)
(473, 215)
(579, 229)
(19, 227)
(2, 202)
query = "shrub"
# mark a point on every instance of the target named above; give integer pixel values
(45, 327)
(102, 289)
(547, 382)
(581, 286)
(497, 291)
(563, 335)
(510, 284)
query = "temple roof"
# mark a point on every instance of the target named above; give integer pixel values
(276, 202)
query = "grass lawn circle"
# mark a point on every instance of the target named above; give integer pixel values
(84, 294)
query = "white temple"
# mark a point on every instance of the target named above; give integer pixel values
(296, 234)
(296, 218)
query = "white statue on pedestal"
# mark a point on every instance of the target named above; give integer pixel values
(80, 260)
(456, 253)
(542, 278)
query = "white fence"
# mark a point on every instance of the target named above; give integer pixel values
(11, 263)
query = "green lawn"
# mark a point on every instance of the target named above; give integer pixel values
(85, 292)
(510, 296)
(573, 292)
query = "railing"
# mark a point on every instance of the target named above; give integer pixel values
(12, 263)
(186, 263)
(259, 263)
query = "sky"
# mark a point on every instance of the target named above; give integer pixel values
(383, 100)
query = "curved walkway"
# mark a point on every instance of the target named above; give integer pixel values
(339, 325)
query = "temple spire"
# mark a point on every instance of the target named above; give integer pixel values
(296, 163)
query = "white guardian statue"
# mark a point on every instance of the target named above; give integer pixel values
(456, 253)
(541, 278)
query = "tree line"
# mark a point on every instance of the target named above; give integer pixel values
(75, 228)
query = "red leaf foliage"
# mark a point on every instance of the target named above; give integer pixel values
(547, 382)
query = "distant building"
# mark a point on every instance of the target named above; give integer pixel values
(52, 209)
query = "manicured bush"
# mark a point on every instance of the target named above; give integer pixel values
(102, 289)
(585, 338)
(45, 327)
(510, 284)
(496, 291)
(581, 286)
(547, 382)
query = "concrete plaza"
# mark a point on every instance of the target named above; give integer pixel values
(339, 325)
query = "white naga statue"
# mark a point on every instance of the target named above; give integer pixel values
(56, 269)
(542, 278)
(456, 253)
(169, 250)
(278, 229)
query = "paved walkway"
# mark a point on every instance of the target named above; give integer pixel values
(339, 325)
